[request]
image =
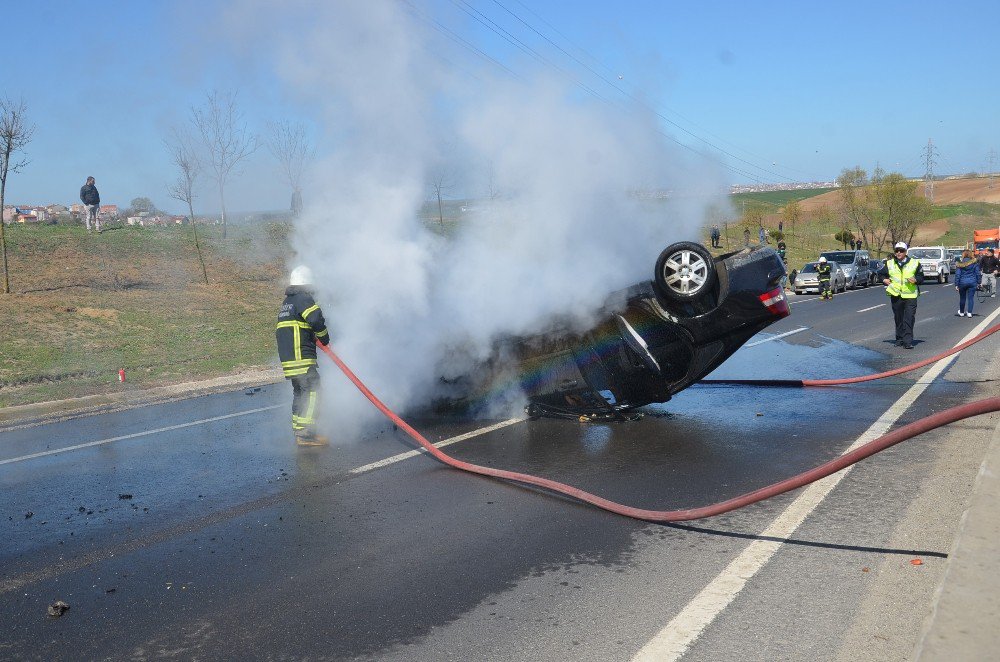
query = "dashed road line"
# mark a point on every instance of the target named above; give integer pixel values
(135, 435)
(865, 310)
(780, 335)
(445, 442)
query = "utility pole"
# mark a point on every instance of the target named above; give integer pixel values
(929, 172)
(991, 160)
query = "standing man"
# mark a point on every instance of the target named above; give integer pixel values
(857, 245)
(989, 264)
(823, 271)
(783, 254)
(715, 235)
(902, 275)
(762, 235)
(300, 326)
(91, 200)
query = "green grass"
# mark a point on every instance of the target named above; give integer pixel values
(778, 198)
(85, 305)
(984, 209)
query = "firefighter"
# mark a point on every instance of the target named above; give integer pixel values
(300, 327)
(823, 270)
(902, 275)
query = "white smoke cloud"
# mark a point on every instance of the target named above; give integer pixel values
(565, 231)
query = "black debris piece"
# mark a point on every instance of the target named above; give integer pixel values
(58, 608)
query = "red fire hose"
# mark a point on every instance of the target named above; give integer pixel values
(906, 432)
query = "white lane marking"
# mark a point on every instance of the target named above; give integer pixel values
(865, 310)
(446, 442)
(673, 641)
(138, 434)
(780, 335)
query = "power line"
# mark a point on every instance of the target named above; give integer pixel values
(638, 100)
(464, 43)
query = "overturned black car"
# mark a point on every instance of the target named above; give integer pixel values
(654, 338)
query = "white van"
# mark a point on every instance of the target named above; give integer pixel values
(934, 261)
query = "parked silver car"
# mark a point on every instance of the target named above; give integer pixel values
(807, 279)
(855, 264)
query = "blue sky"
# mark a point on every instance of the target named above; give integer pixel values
(778, 92)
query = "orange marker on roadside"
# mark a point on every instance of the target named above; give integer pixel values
(121, 374)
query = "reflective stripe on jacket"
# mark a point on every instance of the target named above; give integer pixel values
(300, 324)
(899, 286)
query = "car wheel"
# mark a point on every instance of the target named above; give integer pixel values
(685, 271)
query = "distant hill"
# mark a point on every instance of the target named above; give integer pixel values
(948, 191)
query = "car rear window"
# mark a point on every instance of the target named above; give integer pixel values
(843, 257)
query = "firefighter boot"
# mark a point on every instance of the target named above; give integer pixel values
(306, 438)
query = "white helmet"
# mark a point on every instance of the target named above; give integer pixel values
(301, 275)
(821, 259)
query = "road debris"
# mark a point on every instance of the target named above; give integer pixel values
(58, 608)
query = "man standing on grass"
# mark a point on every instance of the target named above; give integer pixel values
(300, 326)
(91, 200)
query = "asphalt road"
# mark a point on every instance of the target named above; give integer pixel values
(197, 530)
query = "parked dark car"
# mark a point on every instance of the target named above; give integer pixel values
(652, 339)
(875, 266)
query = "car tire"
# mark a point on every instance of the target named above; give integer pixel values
(685, 272)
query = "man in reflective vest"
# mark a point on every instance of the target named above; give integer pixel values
(902, 275)
(823, 274)
(300, 326)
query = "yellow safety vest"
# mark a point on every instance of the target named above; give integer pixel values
(899, 286)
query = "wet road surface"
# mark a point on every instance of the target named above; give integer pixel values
(198, 530)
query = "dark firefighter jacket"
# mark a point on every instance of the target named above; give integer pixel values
(823, 270)
(89, 195)
(300, 324)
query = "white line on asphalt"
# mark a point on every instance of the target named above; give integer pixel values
(865, 310)
(138, 434)
(682, 631)
(780, 335)
(446, 442)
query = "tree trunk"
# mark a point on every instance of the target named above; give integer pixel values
(197, 244)
(3, 238)
(222, 199)
(440, 213)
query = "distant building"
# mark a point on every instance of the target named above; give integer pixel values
(108, 212)
(29, 214)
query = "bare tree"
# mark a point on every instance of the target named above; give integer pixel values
(226, 138)
(288, 144)
(15, 134)
(791, 213)
(885, 208)
(185, 157)
(491, 182)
